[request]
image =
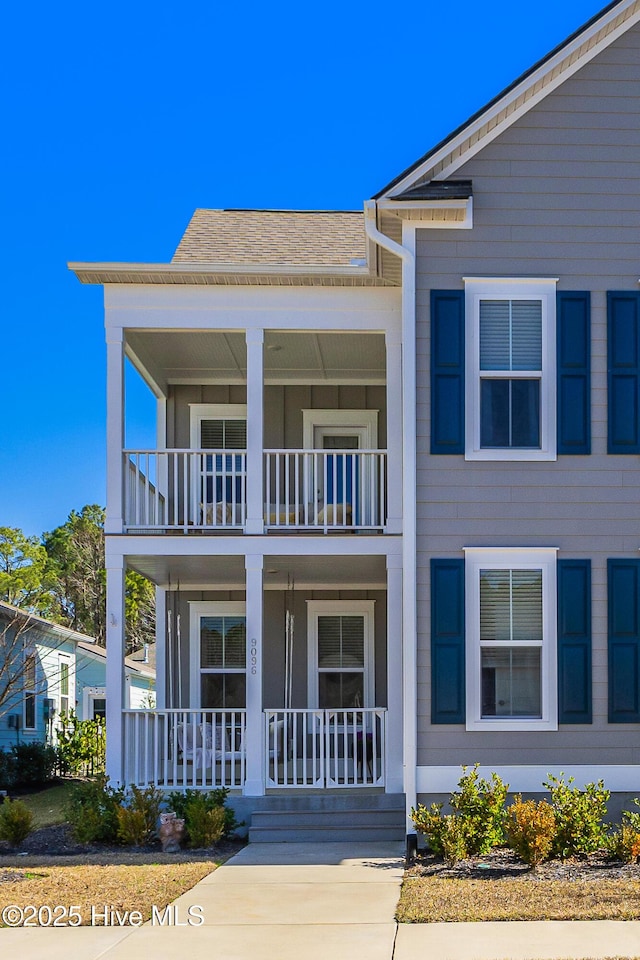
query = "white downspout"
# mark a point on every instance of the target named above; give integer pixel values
(409, 613)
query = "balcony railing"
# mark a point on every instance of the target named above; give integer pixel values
(326, 489)
(188, 489)
(207, 490)
(177, 749)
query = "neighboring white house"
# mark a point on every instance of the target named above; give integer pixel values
(392, 511)
(58, 670)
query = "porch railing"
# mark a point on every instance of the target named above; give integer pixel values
(179, 749)
(325, 748)
(207, 489)
(188, 489)
(327, 489)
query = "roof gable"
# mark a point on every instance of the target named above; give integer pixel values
(522, 95)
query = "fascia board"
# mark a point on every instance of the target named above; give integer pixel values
(112, 272)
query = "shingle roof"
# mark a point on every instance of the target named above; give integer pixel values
(294, 237)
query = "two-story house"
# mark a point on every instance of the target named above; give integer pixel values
(392, 513)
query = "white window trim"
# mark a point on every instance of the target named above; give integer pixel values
(364, 422)
(318, 608)
(89, 694)
(212, 411)
(66, 658)
(521, 558)
(496, 288)
(207, 608)
(30, 691)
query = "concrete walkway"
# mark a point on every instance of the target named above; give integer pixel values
(334, 901)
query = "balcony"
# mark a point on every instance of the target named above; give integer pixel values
(303, 490)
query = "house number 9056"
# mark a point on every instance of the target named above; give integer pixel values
(253, 657)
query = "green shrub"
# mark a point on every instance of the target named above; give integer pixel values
(16, 821)
(430, 822)
(579, 816)
(93, 811)
(178, 801)
(132, 826)
(624, 844)
(480, 804)
(35, 763)
(531, 829)
(205, 826)
(7, 770)
(138, 815)
(477, 823)
(81, 745)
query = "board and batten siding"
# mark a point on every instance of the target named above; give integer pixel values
(556, 195)
(283, 406)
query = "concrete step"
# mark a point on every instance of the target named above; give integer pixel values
(266, 819)
(336, 800)
(329, 817)
(325, 834)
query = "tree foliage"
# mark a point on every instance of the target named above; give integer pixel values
(76, 549)
(27, 577)
(62, 577)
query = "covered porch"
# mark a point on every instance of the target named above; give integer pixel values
(276, 671)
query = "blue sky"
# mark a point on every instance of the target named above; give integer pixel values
(120, 119)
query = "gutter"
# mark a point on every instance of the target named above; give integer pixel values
(409, 606)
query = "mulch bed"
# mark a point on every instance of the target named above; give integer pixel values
(57, 845)
(505, 865)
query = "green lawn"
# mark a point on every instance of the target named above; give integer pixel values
(48, 805)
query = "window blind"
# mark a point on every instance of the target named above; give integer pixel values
(223, 434)
(510, 334)
(340, 641)
(510, 605)
(222, 642)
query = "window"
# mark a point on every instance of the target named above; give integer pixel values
(511, 638)
(510, 370)
(340, 634)
(220, 478)
(218, 655)
(29, 690)
(64, 686)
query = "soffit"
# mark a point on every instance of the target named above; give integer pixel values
(210, 356)
(223, 572)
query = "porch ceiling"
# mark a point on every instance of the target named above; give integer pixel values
(216, 356)
(228, 573)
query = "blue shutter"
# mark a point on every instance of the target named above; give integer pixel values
(574, 641)
(447, 641)
(447, 371)
(573, 323)
(624, 640)
(623, 380)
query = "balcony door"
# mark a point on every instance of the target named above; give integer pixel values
(341, 482)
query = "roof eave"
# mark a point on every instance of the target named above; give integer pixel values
(113, 272)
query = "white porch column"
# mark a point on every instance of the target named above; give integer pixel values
(161, 648)
(254, 735)
(394, 775)
(394, 431)
(115, 430)
(115, 691)
(255, 430)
